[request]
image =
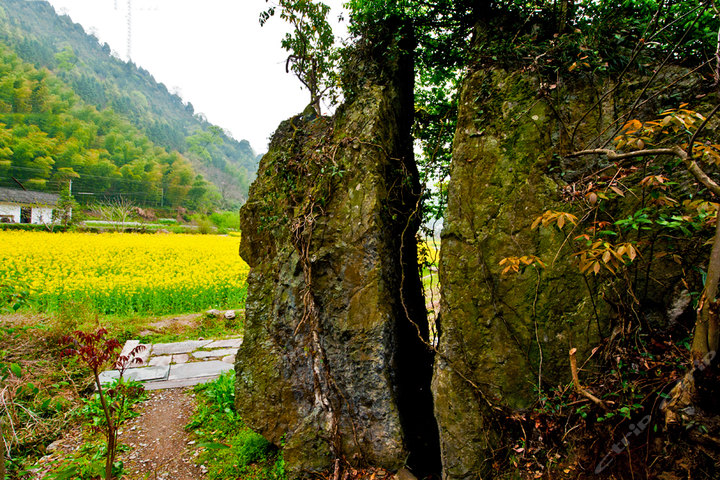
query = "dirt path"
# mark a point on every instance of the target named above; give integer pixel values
(159, 444)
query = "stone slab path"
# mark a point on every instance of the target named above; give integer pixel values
(178, 364)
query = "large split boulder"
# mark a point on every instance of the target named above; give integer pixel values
(333, 363)
(505, 338)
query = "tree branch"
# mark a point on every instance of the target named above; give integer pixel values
(676, 151)
(576, 381)
(691, 144)
(702, 177)
(613, 155)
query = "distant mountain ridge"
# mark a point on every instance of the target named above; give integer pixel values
(41, 37)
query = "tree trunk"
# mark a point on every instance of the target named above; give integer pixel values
(705, 336)
(2, 456)
(110, 431)
(564, 13)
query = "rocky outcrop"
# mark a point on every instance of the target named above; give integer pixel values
(503, 337)
(489, 353)
(332, 364)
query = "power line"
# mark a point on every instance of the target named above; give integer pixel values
(85, 175)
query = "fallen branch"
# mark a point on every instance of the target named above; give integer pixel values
(576, 381)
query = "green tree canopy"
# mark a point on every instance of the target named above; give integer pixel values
(310, 45)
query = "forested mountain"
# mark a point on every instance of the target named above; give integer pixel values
(136, 135)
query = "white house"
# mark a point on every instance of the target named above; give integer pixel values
(24, 206)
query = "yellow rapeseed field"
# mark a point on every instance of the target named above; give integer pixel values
(123, 272)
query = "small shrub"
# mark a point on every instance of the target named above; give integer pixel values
(123, 395)
(87, 463)
(14, 295)
(95, 351)
(226, 220)
(204, 225)
(72, 315)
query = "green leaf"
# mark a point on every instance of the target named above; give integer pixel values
(16, 370)
(213, 446)
(70, 472)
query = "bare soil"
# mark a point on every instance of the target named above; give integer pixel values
(160, 446)
(176, 323)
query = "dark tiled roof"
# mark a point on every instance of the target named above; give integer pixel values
(27, 197)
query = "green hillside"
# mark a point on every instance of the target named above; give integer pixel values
(56, 57)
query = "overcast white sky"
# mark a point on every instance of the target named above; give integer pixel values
(213, 53)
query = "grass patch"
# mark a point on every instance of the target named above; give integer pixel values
(46, 400)
(41, 396)
(230, 449)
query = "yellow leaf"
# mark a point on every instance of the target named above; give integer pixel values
(596, 268)
(606, 256)
(561, 221)
(634, 124)
(617, 190)
(536, 223)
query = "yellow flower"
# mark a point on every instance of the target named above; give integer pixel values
(144, 272)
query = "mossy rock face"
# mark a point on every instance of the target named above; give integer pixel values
(500, 333)
(327, 364)
(502, 146)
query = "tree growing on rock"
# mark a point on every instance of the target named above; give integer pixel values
(311, 56)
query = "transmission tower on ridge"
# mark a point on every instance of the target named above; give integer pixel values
(129, 20)
(129, 30)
